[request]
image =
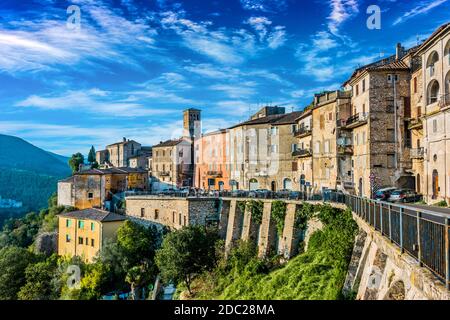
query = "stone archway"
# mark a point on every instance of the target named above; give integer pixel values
(396, 291)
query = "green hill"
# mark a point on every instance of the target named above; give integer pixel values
(28, 173)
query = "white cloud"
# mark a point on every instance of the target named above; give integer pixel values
(264, 5)
(240, 91)
(341, 11)
(422, 8)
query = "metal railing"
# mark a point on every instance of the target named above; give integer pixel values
(302, 153)
(417, 153)
(302, 131)
(359, 117)
(422, 233)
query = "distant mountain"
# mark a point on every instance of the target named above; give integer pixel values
(28, 173)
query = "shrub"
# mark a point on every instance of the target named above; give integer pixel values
(442, 203)
(278, 213)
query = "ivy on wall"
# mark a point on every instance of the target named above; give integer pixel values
(303, 215)
(278, 214)
(256, 208)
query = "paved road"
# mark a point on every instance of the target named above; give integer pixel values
(440, 210)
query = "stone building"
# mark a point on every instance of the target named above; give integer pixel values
(83, 233)
(98, 188)
(117, 154)
(303, 150)
(332, 145)
(171, 164)
(380, 110)
(261, 152)
(211, 161)
(142, 159)
(174, 213)
(430, 125)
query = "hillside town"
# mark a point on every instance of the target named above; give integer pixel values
(384, 130)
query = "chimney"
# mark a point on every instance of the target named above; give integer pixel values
(399, 52)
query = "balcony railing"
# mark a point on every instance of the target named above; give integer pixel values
(342, 150)
(164, 174)
(302, 153)
(216, 174)
(357, 119)
(302, 131)
(417, 153)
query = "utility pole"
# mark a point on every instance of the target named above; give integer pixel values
(395, 123)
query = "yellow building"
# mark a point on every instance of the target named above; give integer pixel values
(83, 233)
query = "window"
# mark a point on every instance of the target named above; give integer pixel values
(434, 126)
(156, 214)
(364, 85)
(142, 212)
(87, 241)
(68, 223)
(90, 195)
(330, 116)
(67, 237)
(80, 240)
(433, 92)
(294, 128)
(92, 226)
(356, 138)
(415, 84)
(274, 131)
(293, 147)
(391, 160)
(327, 147)
(390, 135)
(173, 216)
(317, 147)
(357, 89)
(92, 243)
(179, 219)
(364, 108)
(389, 78)
(80, 224)
(322, 122)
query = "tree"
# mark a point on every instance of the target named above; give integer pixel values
(75, 161)
(91, 156)
(186, 252)
(13, 263)
(39, 281)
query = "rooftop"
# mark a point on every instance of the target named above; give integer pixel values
(168, 143)
(124, 170)
(94, 214)
(277, 119)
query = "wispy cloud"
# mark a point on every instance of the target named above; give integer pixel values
(422, 8)
(341, 11)
(264, 5)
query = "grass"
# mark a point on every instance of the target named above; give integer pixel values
(317, 274)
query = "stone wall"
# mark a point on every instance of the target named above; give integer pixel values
(174, 213)
(383, 272)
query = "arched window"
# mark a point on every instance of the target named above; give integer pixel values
(287, 184)
(447, 88)
(432, 59)
(433, 92)
(254, 185)
(447, 52)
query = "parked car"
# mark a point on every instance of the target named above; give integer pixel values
(404, 195)
(384, 194)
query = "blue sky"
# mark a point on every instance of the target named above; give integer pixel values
(134, 65)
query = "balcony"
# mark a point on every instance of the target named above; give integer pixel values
(416, 123)
(357, 120)
(164, 174)
(345, 150)
(340, 123)
(215, 174)
(417, 153)
(302, 153)
(302, 132)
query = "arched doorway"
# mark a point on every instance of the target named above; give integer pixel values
(273, 186)
(360, 187)
(435, 181)
(433, 92)
(254, 185)
(287, 184)
(418, 183)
